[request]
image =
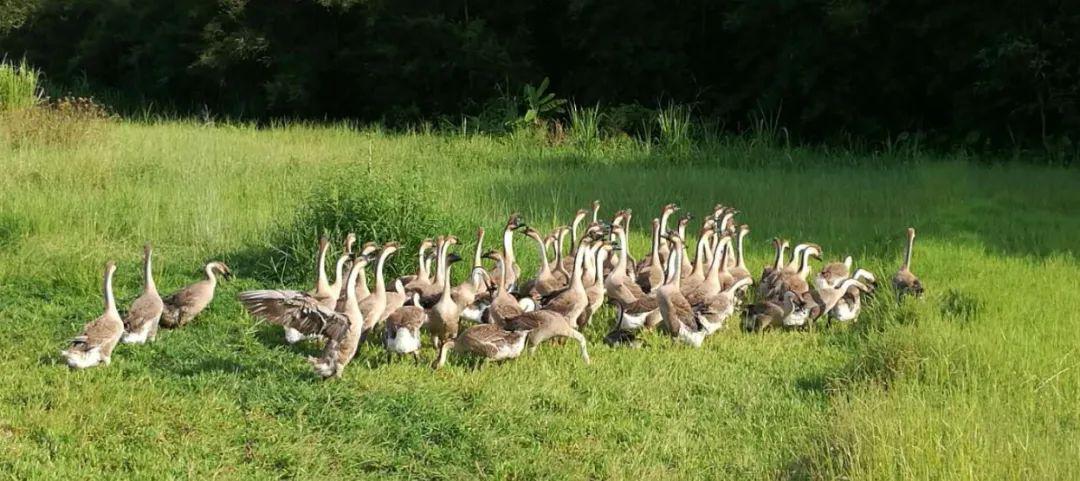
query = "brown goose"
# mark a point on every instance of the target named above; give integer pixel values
(402, 333)
(618, 286)
(697, 270)
(362, 290)
(825, 300)
(545, 282)
(422, 278)
(503, 305)
(141, 321)
(713, 312)
(793, 278)
(374, 306)
(98, 338)
(444, 315)
(513, 270)
(687, 267)
(739, 271)
(489, 341)
(767, 314)
(301, 313)
(675, 310)
(567, 261)
(665, 214)
(572, 301)
(561, 273)
(716, 279)
(430, 295)
(342, 331)
(595, 291)
(905, 282)
(546, 324)
(467, 293)
(181, 307)
(770, 273)
(652, 273)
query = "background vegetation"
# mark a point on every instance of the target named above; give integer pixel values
(953, 74)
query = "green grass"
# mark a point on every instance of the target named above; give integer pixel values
(18, 85)
(980, 380)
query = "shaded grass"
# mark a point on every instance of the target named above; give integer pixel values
(977, 380)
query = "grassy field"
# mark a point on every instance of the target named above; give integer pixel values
(979, 380)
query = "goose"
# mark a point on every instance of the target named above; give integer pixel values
(444, 315)
(561, 273)
(302, 314)
(545, 282)
(905, 282)
(324, 292)
(99, 337)
(595, 211)
(181, 307)
(402, 333)
(422, 278)
(141, 321)
(675, 310)
(697, 274)
(739, 271)
(652, 273)
(716, 279)
(612, 261)
(618, 286)
(794, 279)
(467, 293)
(572, 301)
(567, 261)
(826, 299)
(362, 291)
(687, 267)
(514, 270)
(431, 295)
(342, 331)
(374, 306)
(595, 292)
(503, 305)
(766, 314)
(850, 305)
(712, 312)
(770, 273)
(489, 341)
(665, 214)
(546, 324)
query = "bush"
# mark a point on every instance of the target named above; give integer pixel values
(63, 122)
(375, 207)
(18, 86)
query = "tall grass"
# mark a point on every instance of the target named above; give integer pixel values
(674, 126)
(18, 86)
(585, 126)
(977, 380)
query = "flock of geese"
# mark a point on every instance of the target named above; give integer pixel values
(688, 298)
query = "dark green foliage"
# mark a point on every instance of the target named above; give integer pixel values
(965, 74)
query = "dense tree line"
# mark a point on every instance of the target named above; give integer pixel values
(965, 72)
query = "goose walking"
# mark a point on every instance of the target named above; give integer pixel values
(99, 337)
(142, 319)
(187, 303)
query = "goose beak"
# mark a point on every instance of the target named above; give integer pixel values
(453, 257)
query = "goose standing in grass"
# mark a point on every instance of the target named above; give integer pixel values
(650, 274)
(716, 279)
(739, 271)
(402, 333)
(444, 316)
(567, 261)
(141, 321)
(767, 314)
(467, 294)
(422, 278)
(665, 214)
(561, 273)
(697, 269)
(905, 283)
(342, 330)
(488, 341)
(301, 313)
(546, 324)
(361, 290)
(713, 312)
(770, 273)
(595, 290)
(182, 307)
(503, 305)
(99, 337)
(675, 310)
(572, 301)
(618, 286)
(513, 270)
(374, 306)
(545, 282)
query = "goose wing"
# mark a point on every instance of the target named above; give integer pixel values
(293, 309)
(146, 308)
